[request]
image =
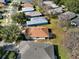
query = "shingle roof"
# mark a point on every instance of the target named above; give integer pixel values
(27, 5)
(47, 2)
(76, 21)
(50, 4)
(37, 31)
(37, 21)
(37, 51)
(67, 16)
(56, 11)
(34, 13)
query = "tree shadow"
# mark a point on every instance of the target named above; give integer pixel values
(51, 35)
(56, 52)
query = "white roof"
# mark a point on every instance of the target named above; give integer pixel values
(28, 9)
(51, 4)
(34, 13)
(54, 6)
(47, 2)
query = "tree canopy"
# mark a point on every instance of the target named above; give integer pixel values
(10, 33)
(72, 5)
(19, 18)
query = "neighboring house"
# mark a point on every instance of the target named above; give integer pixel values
(23, 1)
(33, 14)
(26, 7)
(56, 11)
(75, 21)
(37, 21)
(39, 32)
(67, 16)
(3, 1)
(32, 50)
(50, 4)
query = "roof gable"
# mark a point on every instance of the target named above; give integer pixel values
(27, 5)
(37, 51)
(37, 32)
(34, 13)
(37, 21)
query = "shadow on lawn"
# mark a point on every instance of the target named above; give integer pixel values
(57, 52)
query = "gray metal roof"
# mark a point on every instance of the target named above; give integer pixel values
(24, 1)
(38, 51)
(37, 21)
(76, 21)
(67, 16)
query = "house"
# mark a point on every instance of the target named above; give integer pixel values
(32, 50)
(50, 4)
(67, 16)
(27, 7)
(37, 21)
(33, 14)
(56, 11)
(38, 32)
(24, 1)
(3, 1)
(75, 21)
(27, 4)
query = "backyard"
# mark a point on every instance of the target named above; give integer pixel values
(61, 52)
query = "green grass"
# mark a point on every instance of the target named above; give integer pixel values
(11, 55)
(59, 32)
(63, 52)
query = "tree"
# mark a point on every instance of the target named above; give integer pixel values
(72, 5)
(20, 18)
(10, 33)
(11, 55)
(71, 42)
